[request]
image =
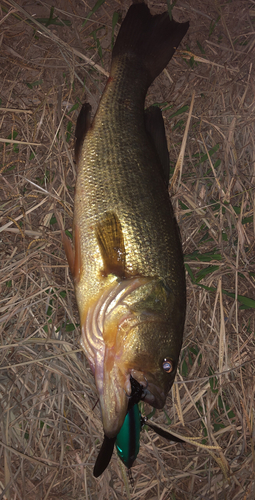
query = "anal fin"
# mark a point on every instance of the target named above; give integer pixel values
(82, 127)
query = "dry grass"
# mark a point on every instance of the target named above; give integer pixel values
(50, 420)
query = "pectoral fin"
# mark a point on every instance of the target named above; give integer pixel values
(111, 243)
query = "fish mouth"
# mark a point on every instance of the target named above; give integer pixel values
(114, 390)
(111, 345)
(105, 353)
(151, 393)
(116, 393)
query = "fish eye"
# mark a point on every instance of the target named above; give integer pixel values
(168, 365)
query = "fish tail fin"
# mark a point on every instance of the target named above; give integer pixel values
(150, 39)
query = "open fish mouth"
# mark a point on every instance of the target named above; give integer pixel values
(108, 319)
(150, 393)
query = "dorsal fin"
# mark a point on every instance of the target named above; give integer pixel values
(82, 127)
(155, 128)
(111, 243)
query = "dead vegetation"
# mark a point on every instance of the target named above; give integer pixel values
(51, 431)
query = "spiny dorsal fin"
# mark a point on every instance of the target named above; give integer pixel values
(111, 243)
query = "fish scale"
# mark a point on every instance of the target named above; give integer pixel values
(128, 184)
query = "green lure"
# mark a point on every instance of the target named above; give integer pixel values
(128, 440)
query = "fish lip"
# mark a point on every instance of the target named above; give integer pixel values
(153, 396)
(139, 376)
(114, 396)
(151, 393)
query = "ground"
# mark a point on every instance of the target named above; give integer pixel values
(55, 56)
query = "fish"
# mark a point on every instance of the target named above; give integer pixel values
(126, 258)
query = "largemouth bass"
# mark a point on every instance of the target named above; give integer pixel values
(127, 260)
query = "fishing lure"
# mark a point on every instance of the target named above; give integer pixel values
(128, 434)
(127, 441)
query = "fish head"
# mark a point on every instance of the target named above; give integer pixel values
(153, 338)
(135, 335)
(151, 355)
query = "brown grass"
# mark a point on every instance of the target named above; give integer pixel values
(50, 427)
